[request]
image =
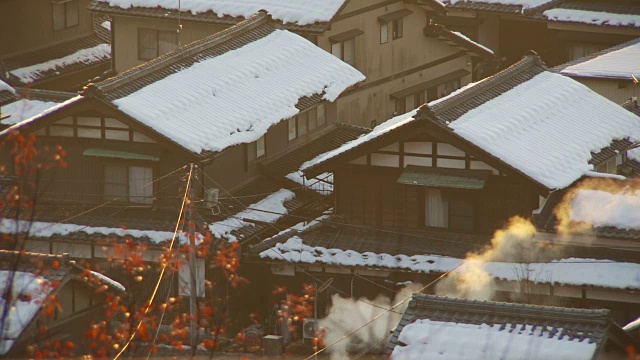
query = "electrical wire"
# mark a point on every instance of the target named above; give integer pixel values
(164, 265)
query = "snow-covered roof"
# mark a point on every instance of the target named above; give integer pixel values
(5, 87)
(24, 109)
(45, 112)
(554, 117)
(28, 293)
(214, 101)
(108, 280)
(592, 17)
(510, 6)
(620, 62)
(428, 339)
(603, 208)
(569, 271)
(88, 56)
(300, 12)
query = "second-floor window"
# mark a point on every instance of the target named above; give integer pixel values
(395, 27)
(306, 122)
(132, 184)
(65, 14)
(153, 43)
(345, 50)
(443, 210)
(261, 148)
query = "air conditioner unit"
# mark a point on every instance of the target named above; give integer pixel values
(211, 198)
(309, 328)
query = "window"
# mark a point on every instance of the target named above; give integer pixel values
(303, 123)
(320, 115)
(400, 106)
(396, 26)
(131, 184)
(608, 167)
(65, 14)
(260, 147)
(448, 211)
(345, 50)
(384, 33)
(153, 43)
(451, 86)
(293, 128)
(579, 50)
(313, 119)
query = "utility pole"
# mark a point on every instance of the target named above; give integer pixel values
(193, 308)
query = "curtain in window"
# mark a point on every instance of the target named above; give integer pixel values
(436, 209)
(115, 182)
(140, 187)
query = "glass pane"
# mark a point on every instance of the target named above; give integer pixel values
(140, 137)
(384, 33)
(336, 49)
(350, 52)
(115, 182)
(61, 131)
(116, 135)
(67, 120)
(90, 133)
(167, 41)
(293, 131)
(140, 185)
(260, 148)
(73, 16)
(58, 16)
(89, 121)
(303, 121)
(109, 122)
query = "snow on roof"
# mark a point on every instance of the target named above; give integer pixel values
(5, 87)
(108, 280)
(592, 17)
(632, 325)
(379, 130)
(428, 339)
(474, 42)
(43, 113)
(28, 292)
(92, 55)
(322, 184)
(526, 4)
(269, 210)
(46, 229)
(552, 116)
(602, 208)
(570, 271)
(618, 64)
(234, 98)
(301, 12)
(24, 109)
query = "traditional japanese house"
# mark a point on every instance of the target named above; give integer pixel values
(418, 193)
(406, 59)
(560, 31)
(458, 329)
(36, 280)
(55, 45)
(609, 72)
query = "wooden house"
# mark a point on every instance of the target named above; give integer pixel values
(609, 72)
(53, 45)
(406, 61)
(419, 192)
(37, 279)
(456, 328)
(559, 31)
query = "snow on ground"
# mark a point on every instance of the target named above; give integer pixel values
(92, 55)
(249, 89)
(592, 17)
(428, 339)
(316, 184)
(526, 4)
(550, 112)
(45, 229)
(108, 280)
(378, 131)
(24, 109)
(572, 271)
(477, 43)
(5, 87)
(29, 291)
(618, 64)
(602, 208)
(268, 210)
(301, 12)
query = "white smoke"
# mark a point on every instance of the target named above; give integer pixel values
(346, 315)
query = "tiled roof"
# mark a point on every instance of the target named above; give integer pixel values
(291, 161)
(207, 17)
(484, 6)
(608, 6)
(50, 53)
(572, 324)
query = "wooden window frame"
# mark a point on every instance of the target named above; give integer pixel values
(127, 164)
(65, 7)
(264, 147)
(342, 47)
(397, 28)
